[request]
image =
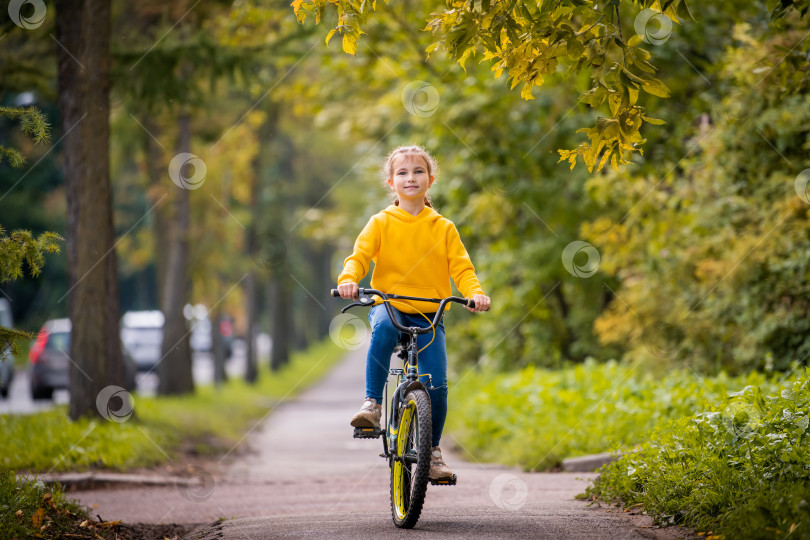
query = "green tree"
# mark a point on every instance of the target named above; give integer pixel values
(21, 247)
(712, 256)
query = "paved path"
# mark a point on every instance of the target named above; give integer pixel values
(305, 477)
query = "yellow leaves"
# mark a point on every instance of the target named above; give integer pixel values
(526, 92)
(709, 270)
(349, 44)
(632, 94)
(656, 88)
(653, 121)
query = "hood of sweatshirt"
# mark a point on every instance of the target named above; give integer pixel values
(427, 214)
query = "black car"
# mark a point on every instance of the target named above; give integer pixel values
(6, 358)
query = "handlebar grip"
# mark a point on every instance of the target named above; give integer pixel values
(335, 293)
(471, 303)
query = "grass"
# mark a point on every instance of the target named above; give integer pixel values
(28, 508)
(211, 421)
(535, 418)
(738, 469)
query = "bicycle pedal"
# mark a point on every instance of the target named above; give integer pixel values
(367, 433)
(444, 481)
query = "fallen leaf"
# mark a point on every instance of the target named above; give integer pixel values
(110, 524)
(84, 523)
(19, 514)
(36, 519)
(48, 499)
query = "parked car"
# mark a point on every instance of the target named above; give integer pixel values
(50, 360)
(142, 334)
(6, 358)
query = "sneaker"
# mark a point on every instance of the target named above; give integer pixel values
(369, 415)
(438, 469)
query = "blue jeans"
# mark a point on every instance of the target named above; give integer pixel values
(433, 360)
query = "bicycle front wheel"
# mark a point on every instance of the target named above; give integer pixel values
(410, 462)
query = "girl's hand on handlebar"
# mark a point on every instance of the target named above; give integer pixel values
(481, 303)
(348, 291)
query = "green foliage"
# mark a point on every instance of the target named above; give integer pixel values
(741, 468)
(18, 248)
(32, 123)
(21, 247)
(213, 419)
(533, 41)
(535, 418)
(712, 249)
(29, 509)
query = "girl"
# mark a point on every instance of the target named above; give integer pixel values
(415, 251)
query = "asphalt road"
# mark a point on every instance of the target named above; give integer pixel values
(299, 474)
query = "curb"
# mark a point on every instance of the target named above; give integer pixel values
(87, 481)
(588, 463)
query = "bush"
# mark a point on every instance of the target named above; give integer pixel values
(535, 417)
(741, 468)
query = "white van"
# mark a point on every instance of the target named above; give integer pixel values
(142, 334)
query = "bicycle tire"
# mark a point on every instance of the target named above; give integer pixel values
(409, 480)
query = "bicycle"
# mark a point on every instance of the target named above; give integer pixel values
(407, 435)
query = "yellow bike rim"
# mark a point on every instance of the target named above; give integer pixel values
(399, 468)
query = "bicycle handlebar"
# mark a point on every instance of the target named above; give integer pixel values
(363, 293)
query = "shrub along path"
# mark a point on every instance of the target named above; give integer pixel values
(302, 475)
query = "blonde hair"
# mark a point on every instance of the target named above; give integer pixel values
(430, 161)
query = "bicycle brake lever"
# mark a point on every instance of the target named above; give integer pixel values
(363, 301)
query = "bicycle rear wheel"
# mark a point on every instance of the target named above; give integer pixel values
(411, 459)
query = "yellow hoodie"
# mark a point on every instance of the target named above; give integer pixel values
(413, 256)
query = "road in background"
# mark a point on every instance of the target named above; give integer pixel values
(19, 399)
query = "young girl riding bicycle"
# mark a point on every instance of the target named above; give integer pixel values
(415, 251)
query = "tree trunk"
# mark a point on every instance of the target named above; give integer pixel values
(174, 370)
(278, 301)
(217, 348)
(83, 27)
(156, 173)
(251, 297)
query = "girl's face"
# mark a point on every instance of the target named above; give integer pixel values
(410, 177)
